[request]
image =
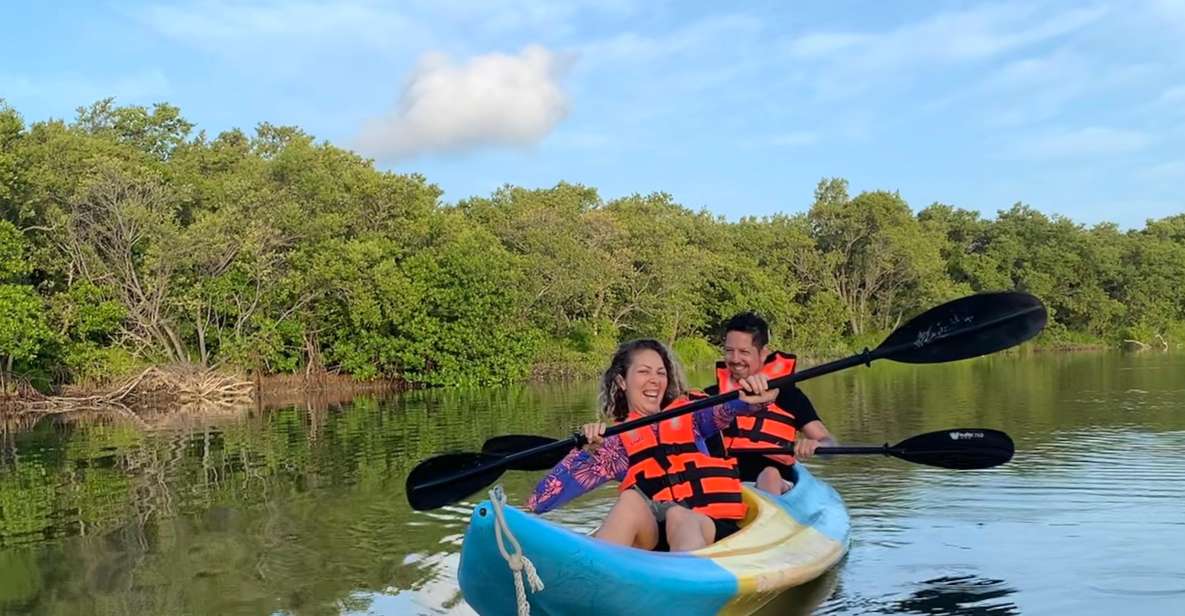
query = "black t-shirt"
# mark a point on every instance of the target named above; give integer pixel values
(792, 400)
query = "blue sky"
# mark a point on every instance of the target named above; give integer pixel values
(1076, 108)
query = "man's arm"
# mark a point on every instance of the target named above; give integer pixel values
(812, 430)
(817, 431)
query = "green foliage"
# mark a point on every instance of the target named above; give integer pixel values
(446, 314)
(11, 128)
(696, 352)
(874, 255)
(87, 313)
(125, 240)
(88, 363)
(24, 331)
(821, 328)
(13, 264)
(158, 132)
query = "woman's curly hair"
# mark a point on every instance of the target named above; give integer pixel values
(612, 397)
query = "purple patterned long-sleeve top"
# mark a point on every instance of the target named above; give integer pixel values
(581, 471)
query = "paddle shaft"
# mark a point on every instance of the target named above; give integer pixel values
(959, 448)
(827, 451)
(926, 337)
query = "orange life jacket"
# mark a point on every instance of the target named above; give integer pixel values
(772, 427)
(666, 465)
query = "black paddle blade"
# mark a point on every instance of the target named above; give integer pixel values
(961, 449)
(514, 443)
(967, 327)
(463, 474)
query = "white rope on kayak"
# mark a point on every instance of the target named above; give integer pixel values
(517, 561)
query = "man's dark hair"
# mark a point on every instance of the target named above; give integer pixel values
(752, 324)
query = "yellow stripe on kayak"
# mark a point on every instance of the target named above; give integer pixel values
(771, 552)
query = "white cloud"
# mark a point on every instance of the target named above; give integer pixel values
(1080, 143)
(493, 99)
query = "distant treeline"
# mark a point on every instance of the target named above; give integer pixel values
(128, 239)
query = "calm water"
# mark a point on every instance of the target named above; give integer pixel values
(302, 511)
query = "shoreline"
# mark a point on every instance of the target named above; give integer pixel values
(262, 392)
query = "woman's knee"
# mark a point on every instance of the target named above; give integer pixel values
(679, 519)
(678, 515)
(630, 522)
(688, 530)
(770, 480)
(633, 498)
(769, 473)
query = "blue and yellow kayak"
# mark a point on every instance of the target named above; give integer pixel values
(784, 541)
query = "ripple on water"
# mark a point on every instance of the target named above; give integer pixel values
(1143, 583)
(440, 518)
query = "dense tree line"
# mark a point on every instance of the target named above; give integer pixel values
(127, 238)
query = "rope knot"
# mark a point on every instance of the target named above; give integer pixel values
(533, 576)
(517, 562)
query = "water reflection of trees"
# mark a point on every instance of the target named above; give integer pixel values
(283, 511)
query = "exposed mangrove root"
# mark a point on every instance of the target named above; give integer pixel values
(1138, 345)
(179, 388)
